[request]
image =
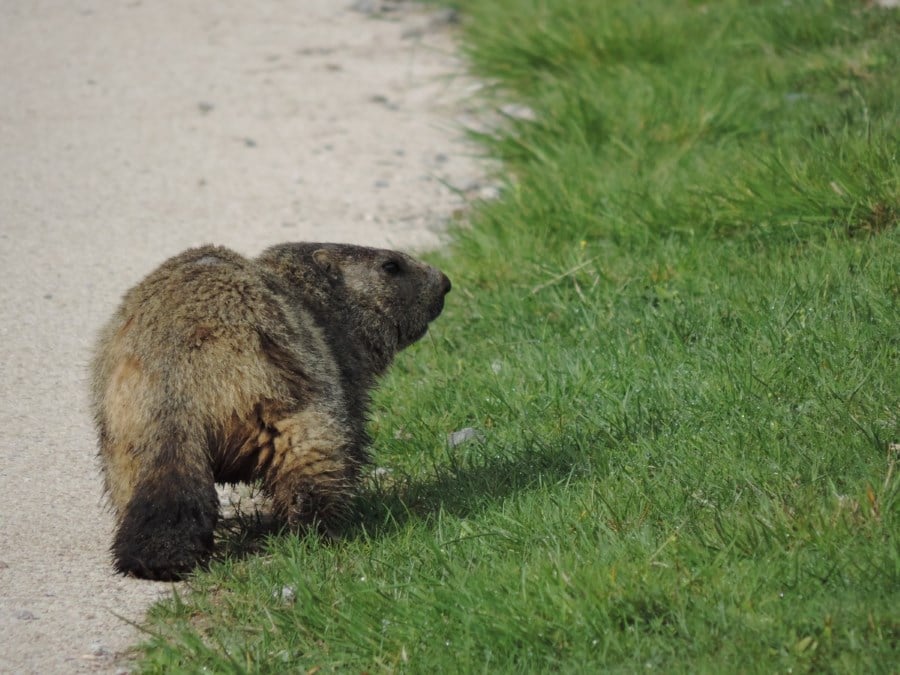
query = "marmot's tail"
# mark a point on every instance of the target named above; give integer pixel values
(166, 529)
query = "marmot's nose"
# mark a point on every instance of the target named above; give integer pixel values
(445, 284)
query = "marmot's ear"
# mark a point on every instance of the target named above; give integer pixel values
(323, 258)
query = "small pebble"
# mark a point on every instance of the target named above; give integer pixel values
(98, 649)
(518, 112)
(489, 192)
(464, 435)
(286, 594)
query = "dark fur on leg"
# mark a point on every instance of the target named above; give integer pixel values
(166, 529)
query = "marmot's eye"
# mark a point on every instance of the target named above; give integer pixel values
(392, 267)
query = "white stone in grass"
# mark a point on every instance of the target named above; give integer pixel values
(457, 438)
(287, 594)
(518, 111)
(489, 193)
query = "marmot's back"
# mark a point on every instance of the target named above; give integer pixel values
(199, 297)
(189, 338)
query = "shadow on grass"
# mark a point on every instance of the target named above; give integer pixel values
(386, 504)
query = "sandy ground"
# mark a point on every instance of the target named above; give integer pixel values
(130, 131)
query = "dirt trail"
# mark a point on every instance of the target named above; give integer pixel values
(130, 131)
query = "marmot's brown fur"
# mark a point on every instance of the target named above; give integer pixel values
(219, 368)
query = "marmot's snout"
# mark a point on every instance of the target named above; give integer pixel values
(444, 287)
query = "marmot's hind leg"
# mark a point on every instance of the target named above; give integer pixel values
(166, 528)
(312, 474)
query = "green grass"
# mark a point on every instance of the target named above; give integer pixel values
(678, 330)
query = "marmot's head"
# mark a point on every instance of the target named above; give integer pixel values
(386, 296)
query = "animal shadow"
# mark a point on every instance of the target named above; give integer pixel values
(385, 503)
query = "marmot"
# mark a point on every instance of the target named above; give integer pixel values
(220, 368)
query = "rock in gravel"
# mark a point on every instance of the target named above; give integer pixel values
(98, 649)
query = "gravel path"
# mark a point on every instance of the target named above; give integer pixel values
(128, 132)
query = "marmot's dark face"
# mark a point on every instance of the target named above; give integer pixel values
(394, 293)
(386, 296)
